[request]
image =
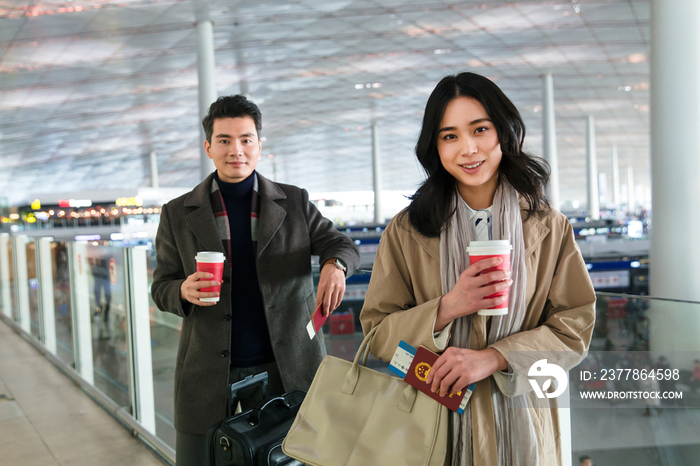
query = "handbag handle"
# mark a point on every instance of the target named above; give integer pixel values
(354, 372)
(408, 396)
(364, 348)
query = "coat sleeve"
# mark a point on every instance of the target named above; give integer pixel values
(390, 303)
(326, 241)
(568, 319)
(169, 273)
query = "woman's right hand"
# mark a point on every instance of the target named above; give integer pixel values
(471, 290)
(189, 290)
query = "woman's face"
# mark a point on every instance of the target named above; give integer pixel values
(469, 150)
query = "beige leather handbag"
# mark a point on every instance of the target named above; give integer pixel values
(355, 416)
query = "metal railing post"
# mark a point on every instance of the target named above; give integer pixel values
(139, 336)
(22, 283)
(47, 311)
(82, 317)
(5, 297)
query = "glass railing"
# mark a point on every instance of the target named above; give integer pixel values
(10, 282)
(107, 298)
(91, 308)
(165, 335)
(80, 302)
(63, 309)
(635, 399)
(32, 286)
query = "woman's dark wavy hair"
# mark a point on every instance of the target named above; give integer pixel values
(430, 207)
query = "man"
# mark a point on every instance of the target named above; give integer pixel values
(268, 232)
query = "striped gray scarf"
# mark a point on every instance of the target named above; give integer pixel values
(515, 434)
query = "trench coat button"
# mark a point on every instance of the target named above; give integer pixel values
(224, 354)
(227, 317)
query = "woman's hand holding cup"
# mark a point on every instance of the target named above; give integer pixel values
(469, 294)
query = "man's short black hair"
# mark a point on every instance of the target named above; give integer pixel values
(583, 458)
(232, 106)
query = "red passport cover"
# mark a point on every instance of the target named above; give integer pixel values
(316, 322)
(318, 318)
(418, 372)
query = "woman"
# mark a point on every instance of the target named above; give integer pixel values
(424, 291)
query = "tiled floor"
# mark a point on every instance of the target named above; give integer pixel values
(47, 420)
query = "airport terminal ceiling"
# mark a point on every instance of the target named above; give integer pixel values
(89, 88)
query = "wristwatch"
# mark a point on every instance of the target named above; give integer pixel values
(339, 264)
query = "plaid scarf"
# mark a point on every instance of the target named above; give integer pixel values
(221, 217)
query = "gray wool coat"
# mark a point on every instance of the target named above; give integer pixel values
(290, 230)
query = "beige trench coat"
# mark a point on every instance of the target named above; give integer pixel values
(405, 291)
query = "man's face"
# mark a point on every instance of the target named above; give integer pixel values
(234, 148)
(587, 463)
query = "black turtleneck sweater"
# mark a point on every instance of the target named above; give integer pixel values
(250, 338)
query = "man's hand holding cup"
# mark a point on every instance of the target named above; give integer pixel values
(203, 287)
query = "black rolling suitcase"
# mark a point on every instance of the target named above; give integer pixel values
(254, 437)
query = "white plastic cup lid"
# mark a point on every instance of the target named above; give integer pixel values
(496, 243)
(209, 256)
(499, 246)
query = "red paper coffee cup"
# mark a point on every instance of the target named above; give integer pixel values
(480, 250)
(213, 263)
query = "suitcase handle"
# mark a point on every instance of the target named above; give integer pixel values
(241, 384)
(254, 418)
(247, 382)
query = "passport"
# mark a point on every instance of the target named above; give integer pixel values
(418, 372)
(317, 321)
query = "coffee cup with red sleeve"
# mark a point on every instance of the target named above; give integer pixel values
(480, 250)
(213, 263)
